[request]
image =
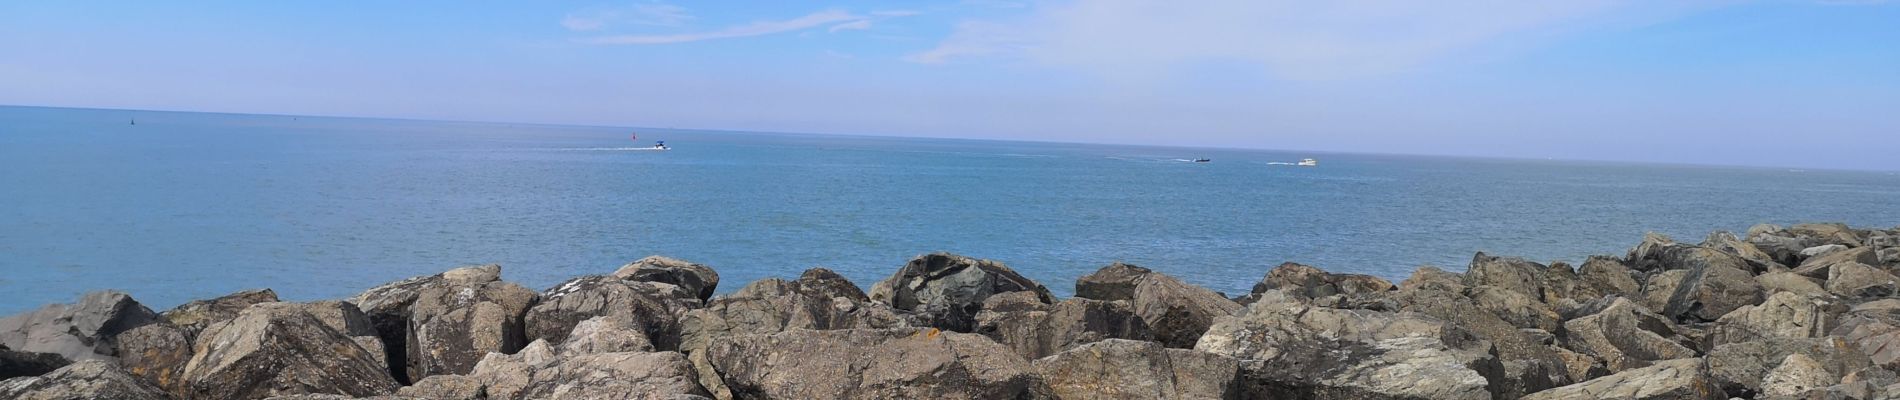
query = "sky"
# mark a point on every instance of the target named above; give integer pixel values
(1792, 83)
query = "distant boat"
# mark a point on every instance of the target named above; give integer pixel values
(135, 121)
(1202, 160)
(657, 145)
(1308, 163)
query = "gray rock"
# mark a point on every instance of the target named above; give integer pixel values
(1775, 282)
(1658, 252)
(157, 354)
(614, 376)
(697, 279)
(1129, 369)
(1530, 364)
(871, 364)
(1509, 273)
(1516, 307)
(606, 334)
(194, 316)
(78, 331)
(1797, 374)
(1757, 259)
(1291, 350)
(1820, 267)
(654, 306)
(1176, 312)
(273, 349)
(1856, 280)
(388, 308)
(947, 290)
(1874, 328)
(1303, 280)
(1836, 233)
(1624, 335)
(1114, 282)
(1035, 330)
(1430, 277)
(1816, 251)
(825, 284)
(90, 379)
(21, 363)
(1703, 292)
(1738, 368)
(1675, 379)
(1606, 276)
(1784, 314)
(767, 306)
(446, 387)
(454, 325)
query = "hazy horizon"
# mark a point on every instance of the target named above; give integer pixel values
(1794, 84)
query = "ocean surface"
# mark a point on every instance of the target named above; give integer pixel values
(183, 206)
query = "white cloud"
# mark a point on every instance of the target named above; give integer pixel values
(896, 13)
(654, 14)
(808, 21)
(861, 24)
(1294, 39)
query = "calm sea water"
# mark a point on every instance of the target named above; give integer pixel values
(186, 205)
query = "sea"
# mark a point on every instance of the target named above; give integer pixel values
(172, 206)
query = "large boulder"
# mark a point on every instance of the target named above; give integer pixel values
(90, 379)
(1738, 368)
(1757, 259)
(1530, 363)
(194, 316)
(1130, 369)
(1787, 281)
(22, 363)
(1669, 380)
(1509, 273)
(78, 331)
(1116, 281)
(388, 307)
(606, 334)
(157, 353)
(947, 290)
(1784, 314)
(538, 373)
(1516, 307)
(655, 307)
(1292, 350)
(697, 279)
(1035, 330)
(452, 326)
(273, 349)
(1797, 374)
(1702, 292)
(1303, 280)
(1658, 252)
(1874, 328)
(1433, 278)
(1857, 280)
(815, 301)
(827, 284)
(1176, 312)
(1624, 335)
(871, 364)
(1827, 233)
(1606, 276)
(1822, 266)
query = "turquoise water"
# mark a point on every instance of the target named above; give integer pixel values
(185, 205)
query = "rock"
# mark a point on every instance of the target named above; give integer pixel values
(157, 354)
(825, 284)
(502, 376)
(194, 316)
(1606, 276)
(275, 349)
(1530, 364)
(79, 331)
(1624, 335)
(1675, 379)
(1784, 314)
(1820, 267)
(1580, 367)
(20, 363)
(388, 308)
(1856, 280)
(1757, 259)
(1035, 330)
(1509, 273)
(613, 376)
(1290, 350)
(1429, 277)
(605, 334)
(89, 379)
(1738, 368)
(947, 290)
(1561, 288)
(654, 306)
(1874, 328)
(446, 387)
(1796, 374)
(1816, 251)
(454, 325)
(697, 279)
(871, 364)
(1705, 292)
(1176, 312)
(814, 301)
(1311, 282)
(1658, 252)
(1775, 282)
(1836, 233)
(1129, 369)
(1114, 282)
(1515, 307)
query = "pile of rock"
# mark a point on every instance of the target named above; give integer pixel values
(1801, 312)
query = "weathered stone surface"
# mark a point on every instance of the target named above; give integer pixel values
(1775, 282)
(446, 387)
(815, 301)
(275, 349)
(1291, 350)
(1757, 259)
(697, 279)
(1874, 328)
(1624, 335)
(1430, 277)
(21, 363)
(1530, 364)
(871, 364)
(1658, 252)
(90, 379)
(194, 316)
(605, 334)
(388, 308)
(157, 353)
(1509, 273)
(1606, 276)
(1833, 233)
(1675, 379)
(1784, 314)
(947, 290)
(1797, 374)
(1176, 312)
(1702, 292)
(1114, 282)
(1738, 368)
(1857, 280)
(1303, 280)
(1035, 330)
(825, 284)
(1821, 267)
(454, 325)
(1129, 369)
(78, 331)
(654, 306)
(1516, 307)
(613, 376)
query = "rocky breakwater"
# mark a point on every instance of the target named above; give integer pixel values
(1801, 312)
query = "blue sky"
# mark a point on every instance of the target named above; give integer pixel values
(1798, 83)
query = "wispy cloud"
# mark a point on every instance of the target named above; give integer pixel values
(974, 39)
(836, 20)
(861, 24)
(654, 14)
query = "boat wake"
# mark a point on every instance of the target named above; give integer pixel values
(1282, 163)
(608, 149)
